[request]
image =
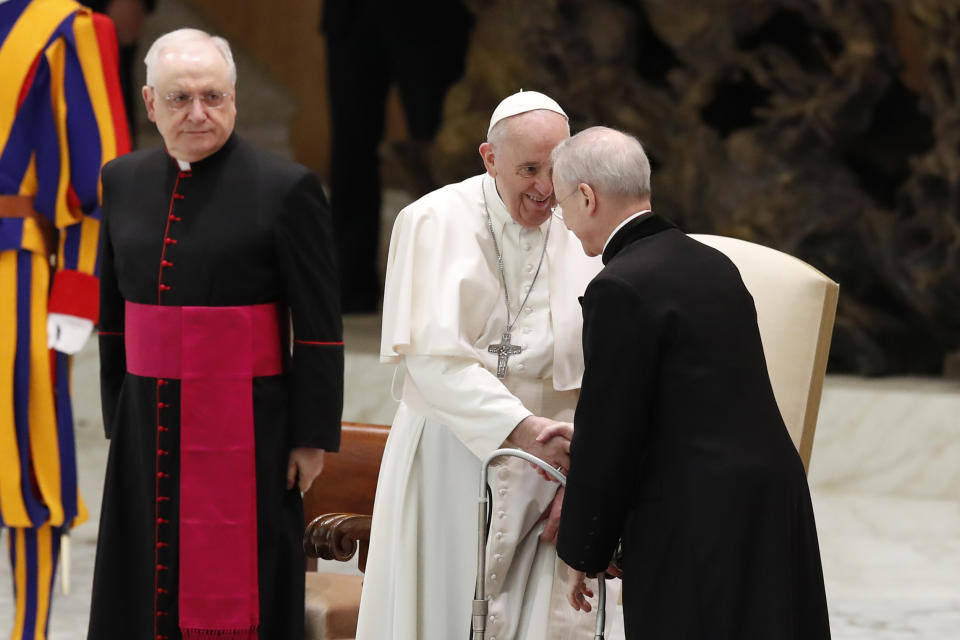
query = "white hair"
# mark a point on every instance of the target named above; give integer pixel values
(608, 160)
(182, 37)
(505, 128)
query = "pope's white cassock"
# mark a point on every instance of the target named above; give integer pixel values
(443, 307)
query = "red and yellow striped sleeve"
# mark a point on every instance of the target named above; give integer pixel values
(92, 130)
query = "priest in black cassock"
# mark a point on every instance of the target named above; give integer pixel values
(218, 416)
(678, 447)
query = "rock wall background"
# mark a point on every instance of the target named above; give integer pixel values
(828, 129)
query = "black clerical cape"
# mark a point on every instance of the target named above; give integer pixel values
(239, 228)
(680, 451)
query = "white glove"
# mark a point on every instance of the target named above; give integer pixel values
(67, 334)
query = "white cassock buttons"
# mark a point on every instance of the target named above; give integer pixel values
(529, 268)
(521, 367)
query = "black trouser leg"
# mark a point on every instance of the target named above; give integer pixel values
(358, 83)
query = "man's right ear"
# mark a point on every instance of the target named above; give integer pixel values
(150, 102)
(488, 154)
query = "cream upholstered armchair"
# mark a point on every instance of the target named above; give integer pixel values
(796, 306)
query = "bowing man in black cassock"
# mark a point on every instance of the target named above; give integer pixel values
(218, 417)
(678, 448)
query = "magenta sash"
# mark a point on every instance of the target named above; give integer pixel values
(215, 352)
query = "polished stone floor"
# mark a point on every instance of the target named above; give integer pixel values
(884, 475)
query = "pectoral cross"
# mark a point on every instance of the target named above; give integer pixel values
(504, 350)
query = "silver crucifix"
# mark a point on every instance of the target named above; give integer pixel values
(504, 350)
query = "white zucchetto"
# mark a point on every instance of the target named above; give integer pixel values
(522, 102)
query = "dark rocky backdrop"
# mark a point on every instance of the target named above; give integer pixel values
(828, 129)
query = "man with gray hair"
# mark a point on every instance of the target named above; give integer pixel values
(481, 318)
(218, 417)
(679, 452)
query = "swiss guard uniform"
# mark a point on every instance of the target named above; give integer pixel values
(205, 392)
(61, 118)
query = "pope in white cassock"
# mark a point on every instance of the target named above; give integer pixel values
(481, 316)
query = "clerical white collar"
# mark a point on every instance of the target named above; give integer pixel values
(498, 210)
(623, 224)
(184, 166)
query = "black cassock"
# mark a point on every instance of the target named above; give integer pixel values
(680, 451)
(241, 227)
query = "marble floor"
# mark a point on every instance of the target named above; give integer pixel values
(885, 475)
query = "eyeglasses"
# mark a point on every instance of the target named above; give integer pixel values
(177, 100)
(557, 210)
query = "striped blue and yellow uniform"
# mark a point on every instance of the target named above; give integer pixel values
(61, 119)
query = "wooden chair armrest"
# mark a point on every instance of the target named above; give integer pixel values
(338, 536)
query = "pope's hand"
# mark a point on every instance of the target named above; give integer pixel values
(304, 466)
(562, 430)
(556, 451)
(67, 334)
(558, 429)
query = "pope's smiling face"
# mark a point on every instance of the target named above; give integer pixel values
(192, 74)
(519, 160)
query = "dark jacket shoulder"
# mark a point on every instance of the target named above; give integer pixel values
(670, 268)
(128, 163)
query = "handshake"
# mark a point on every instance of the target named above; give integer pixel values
(547, 439)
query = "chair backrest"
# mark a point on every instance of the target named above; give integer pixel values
(349, 479)
(796, 306)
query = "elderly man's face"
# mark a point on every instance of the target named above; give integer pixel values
(187, 80)
(521, 165)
